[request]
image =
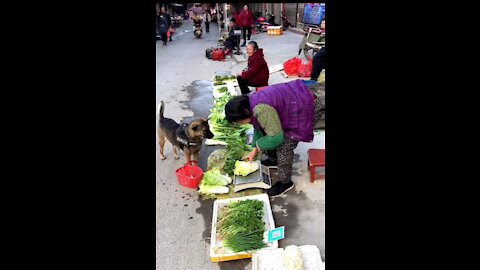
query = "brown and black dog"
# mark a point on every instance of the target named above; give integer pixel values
(187, 137)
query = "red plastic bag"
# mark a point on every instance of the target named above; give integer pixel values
(291, 66)
(218, 54)
(305, 69)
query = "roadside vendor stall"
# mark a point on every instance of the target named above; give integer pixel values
(243, 224)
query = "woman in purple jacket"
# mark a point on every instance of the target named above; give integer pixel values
(282, 115)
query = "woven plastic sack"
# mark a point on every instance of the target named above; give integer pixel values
(291, 66)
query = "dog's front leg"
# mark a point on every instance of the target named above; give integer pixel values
(187, 154)
(195, 156)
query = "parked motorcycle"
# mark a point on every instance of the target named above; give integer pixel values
(263, 23)
(197, 26)
(312, 42)
(177, 21)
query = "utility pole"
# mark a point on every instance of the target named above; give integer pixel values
(225, 17)
(218, 19)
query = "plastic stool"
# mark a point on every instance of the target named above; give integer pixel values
(316, 158)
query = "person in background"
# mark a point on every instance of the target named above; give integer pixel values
(232, 40)
(318, 64)
(247, 22)
(164, 22)
(256, 74)
(236, 14)
(207, 17)
(282, 116)
(319, 60)
(222, 25)
(170, 33)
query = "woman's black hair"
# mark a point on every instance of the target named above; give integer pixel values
(238, 108)
(254, 44)
(233, 20)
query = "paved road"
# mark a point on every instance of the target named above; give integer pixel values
(183, 220)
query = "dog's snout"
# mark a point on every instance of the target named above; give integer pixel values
(209, 134)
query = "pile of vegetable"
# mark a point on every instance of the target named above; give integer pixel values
(221, 79)
(222, 89)
(292, 258)
(214, 182)
(240, 225)
(245, 168)
(233, 135)
(218, 83)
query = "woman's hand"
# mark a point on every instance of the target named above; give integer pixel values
(239, 74)
(251, 156)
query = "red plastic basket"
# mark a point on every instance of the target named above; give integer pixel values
(189, 175)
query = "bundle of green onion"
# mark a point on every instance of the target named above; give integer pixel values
(241, 224)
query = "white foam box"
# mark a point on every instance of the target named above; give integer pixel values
(272, 259)
(217, 252)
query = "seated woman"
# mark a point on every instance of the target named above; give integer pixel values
(256, 74)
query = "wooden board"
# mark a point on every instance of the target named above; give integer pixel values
(275, 68)
(294, 77)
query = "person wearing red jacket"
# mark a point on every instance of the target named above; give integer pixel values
(256, 74)
(247, 22)
(236, 15)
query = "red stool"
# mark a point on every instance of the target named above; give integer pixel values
(316, 158)
(261, 88)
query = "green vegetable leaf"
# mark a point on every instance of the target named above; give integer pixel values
(245, 168)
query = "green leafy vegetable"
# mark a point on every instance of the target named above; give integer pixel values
(213, 189)
(245, 168)
(232, 134)
(241, 224)
(215, 178)
(222, 89)
(214, 181)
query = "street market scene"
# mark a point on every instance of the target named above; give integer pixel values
(240, 167)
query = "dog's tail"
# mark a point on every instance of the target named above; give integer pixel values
(160, 109)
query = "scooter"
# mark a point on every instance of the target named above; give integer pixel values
(264, 23)
(197, 26)
(312, 42)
